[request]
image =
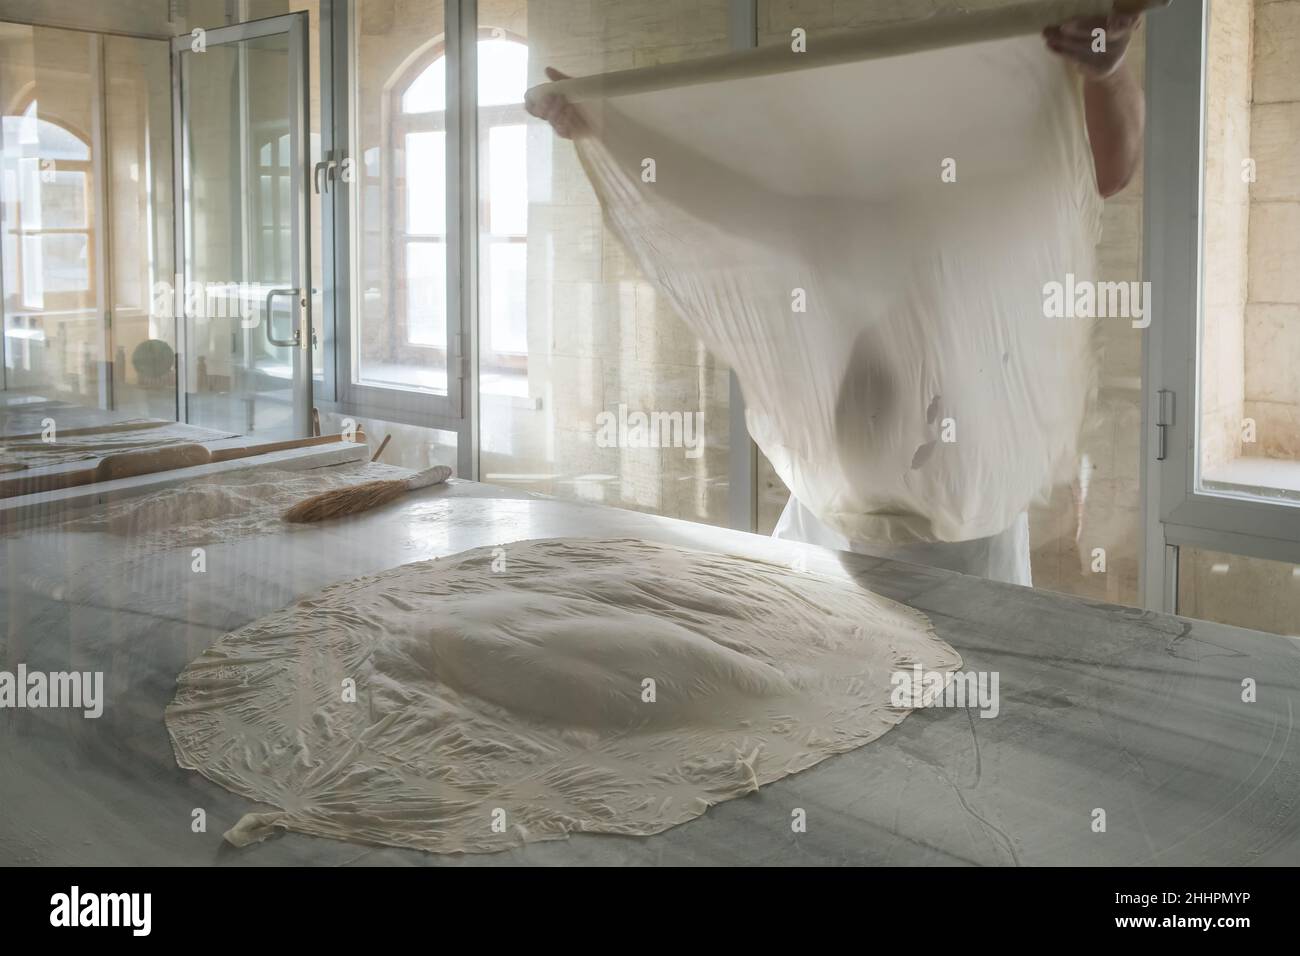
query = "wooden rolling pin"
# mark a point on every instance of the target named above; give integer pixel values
(841, 46)
(147, 461)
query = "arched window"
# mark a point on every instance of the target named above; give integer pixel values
(419, 214)
(48, 214)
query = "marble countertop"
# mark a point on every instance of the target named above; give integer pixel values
(1136, 714)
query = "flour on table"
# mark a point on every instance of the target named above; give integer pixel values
(504, 696)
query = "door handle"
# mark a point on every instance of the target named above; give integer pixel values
(296, 340)
(324, 172)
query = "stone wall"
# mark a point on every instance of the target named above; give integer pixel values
(1227, 215)
(1272, 313)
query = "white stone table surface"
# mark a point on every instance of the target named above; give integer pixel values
(1107, 707)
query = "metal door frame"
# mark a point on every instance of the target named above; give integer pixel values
(295, 26)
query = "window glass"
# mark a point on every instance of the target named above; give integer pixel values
(399, 252)
(572, 339)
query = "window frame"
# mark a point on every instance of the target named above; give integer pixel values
(347, 179)
(1176, 511)
(458, 412)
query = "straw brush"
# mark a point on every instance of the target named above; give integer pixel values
(371, 494)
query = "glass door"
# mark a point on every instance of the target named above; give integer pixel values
(241, 296)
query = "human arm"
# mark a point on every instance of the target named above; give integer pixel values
(1114, 108)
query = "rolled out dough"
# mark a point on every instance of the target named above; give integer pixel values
(501, 694)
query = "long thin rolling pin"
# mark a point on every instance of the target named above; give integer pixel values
(131, 464)
(847, 46)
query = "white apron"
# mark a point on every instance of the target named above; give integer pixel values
(1001, 557)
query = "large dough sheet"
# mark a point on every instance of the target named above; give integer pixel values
(506, 686)
(922, 395)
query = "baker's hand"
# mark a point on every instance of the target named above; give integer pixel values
(1073, 40)
(558, 111)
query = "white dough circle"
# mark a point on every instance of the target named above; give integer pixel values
(506, 695)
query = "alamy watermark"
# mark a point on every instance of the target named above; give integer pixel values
(206, 300)
(916, 688)
(80, 690)
(624, 429)
(1082, 299)
(75, 908)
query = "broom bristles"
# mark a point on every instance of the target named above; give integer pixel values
(346, 501)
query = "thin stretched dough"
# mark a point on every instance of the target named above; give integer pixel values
(867, 245)
(501, 696)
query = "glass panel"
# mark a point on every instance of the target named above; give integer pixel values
(239, 247)
(570, 334)
(428, 91)
(507, 298)
(43, 138)
(502, 71)
(65, 263)
(32, 280)
(409, 446)
(139, 121)
(1245, 592)
(9, 258)
(1249, 416)
(507, 182)
(400, 297)
(426, 298)
(426, 183)
(64, 201)
(56, 339)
